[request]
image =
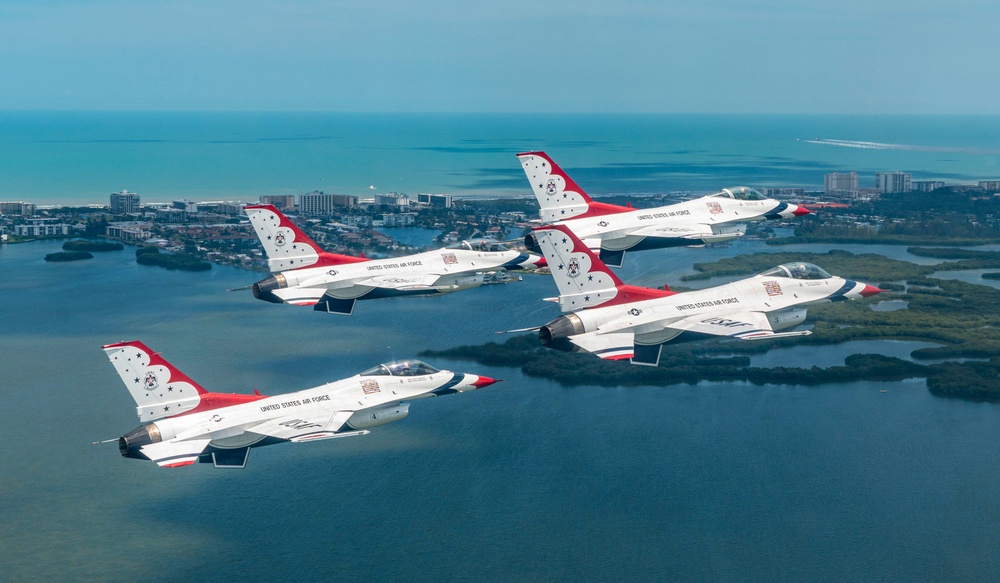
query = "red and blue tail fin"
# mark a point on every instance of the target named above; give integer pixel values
(285, 245)
(158, 387)
(584, 281)
(558, 195)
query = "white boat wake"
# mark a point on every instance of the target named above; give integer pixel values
(902, 147)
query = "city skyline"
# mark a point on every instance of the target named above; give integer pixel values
(638, 56)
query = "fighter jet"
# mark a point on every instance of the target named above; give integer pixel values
(183, 423)
(611, 230)
(616, 321)
(305, 275)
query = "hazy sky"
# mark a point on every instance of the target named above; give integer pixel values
(766, 56)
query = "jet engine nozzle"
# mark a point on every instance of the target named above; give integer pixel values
(531, 243)
(263, 289)
(129, 445)
(556, 333)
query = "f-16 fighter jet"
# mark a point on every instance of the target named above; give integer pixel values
(183, 423)
(305, 275)
(618, 321)
(611, 230)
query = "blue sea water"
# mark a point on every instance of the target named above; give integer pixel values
(525, 480)
(81, 157)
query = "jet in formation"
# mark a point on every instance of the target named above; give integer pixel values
(305, 275)
(615, 321)
(611, 230)
(183, 423)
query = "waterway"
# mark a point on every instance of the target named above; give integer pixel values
(525, 480)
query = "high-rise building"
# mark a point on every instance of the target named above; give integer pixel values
(888, 182)
(989, 184)
(281, 202)
(392, 199)
(837, 183)
(124, 202)
(316, 203)
(24, 209)
(439, 200)
(926, 185)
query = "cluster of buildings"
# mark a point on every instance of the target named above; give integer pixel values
(846, 184)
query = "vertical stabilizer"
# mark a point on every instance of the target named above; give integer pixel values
(159, 389)
(584, 281)
(558, 195)
(285, 245)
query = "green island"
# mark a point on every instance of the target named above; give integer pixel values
(949, 216)
(68, 256)
(92, 246)
(960, 316)
(181, 261)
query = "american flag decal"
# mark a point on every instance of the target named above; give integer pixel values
(714, 207)
(370, 386)
(772, 288)
(449, 258)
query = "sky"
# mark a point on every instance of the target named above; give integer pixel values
(670, 56)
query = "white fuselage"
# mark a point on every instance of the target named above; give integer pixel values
(765, 294)
(706, 219)
(443, 270)
(229, 425)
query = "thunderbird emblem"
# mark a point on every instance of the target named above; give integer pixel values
(151, 381)
(551, 188)
(573, 269)
(279, 239)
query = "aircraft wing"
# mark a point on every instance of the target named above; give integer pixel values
(401, 283)
(302, 427)
(745, 325)
(693, 232)
(175, 452)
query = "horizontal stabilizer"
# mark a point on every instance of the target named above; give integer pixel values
(614, 346)
(300, 296)
(173, 453)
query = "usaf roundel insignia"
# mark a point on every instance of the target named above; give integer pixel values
(635, 311)
(279, 239)
(573, 269)
(332, 272)
(602, 224)
(151, 381)
(551, 188)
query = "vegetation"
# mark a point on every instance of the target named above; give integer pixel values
(182, 261)
(68, 256)
(82, 245)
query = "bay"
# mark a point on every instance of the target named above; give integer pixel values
(524, 480)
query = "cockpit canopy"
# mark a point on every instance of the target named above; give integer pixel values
(485, 245)
(740, 193)
(798, 270)
(401, 368)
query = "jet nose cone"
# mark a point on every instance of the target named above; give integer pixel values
(482, 381)
(800, 211)
(870, 290)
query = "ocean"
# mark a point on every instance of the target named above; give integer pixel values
(525, 480)
(81, 157)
